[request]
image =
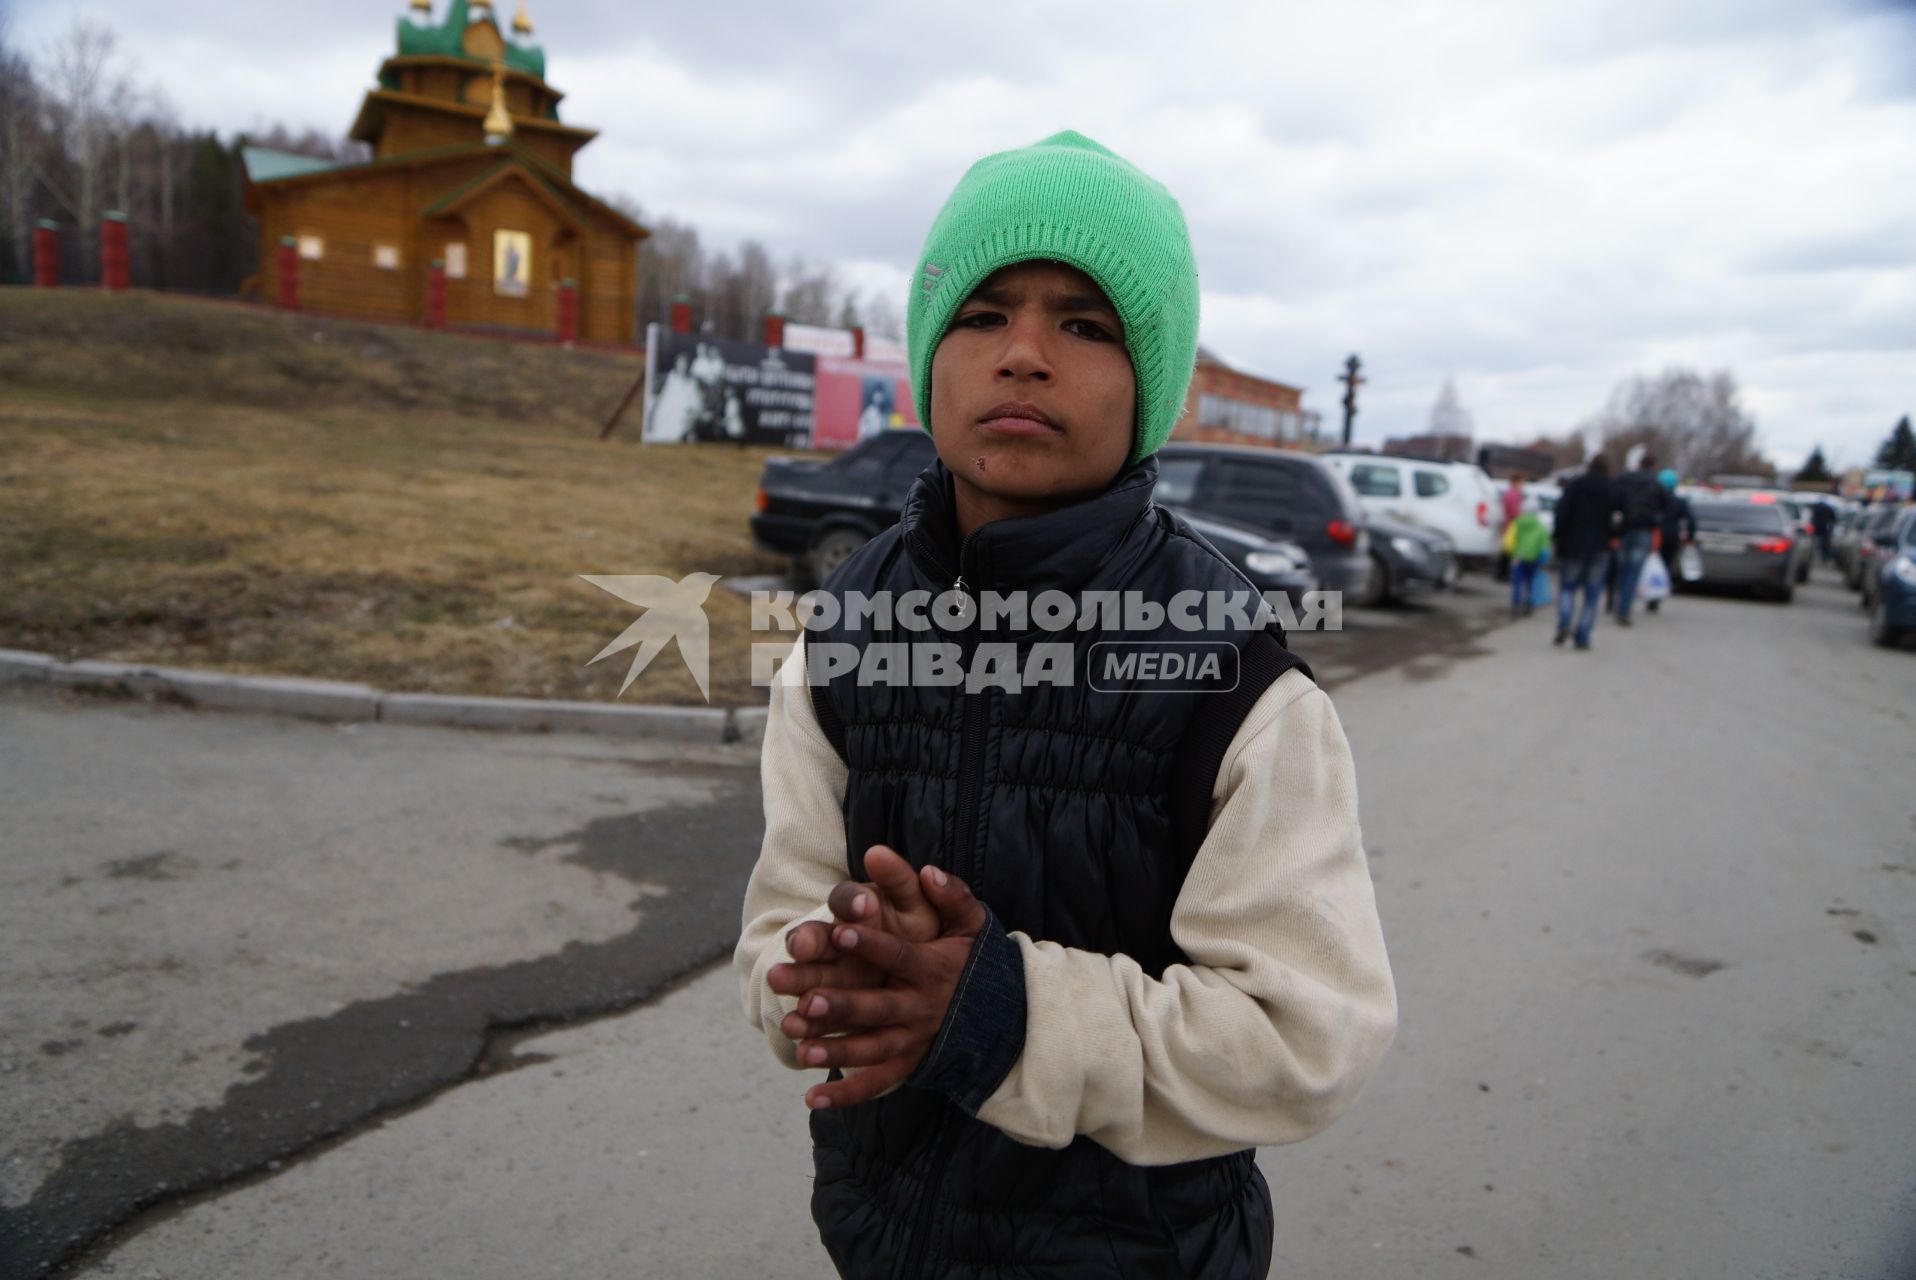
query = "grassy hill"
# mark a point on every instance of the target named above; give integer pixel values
(225, 487)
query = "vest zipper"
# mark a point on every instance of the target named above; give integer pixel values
(971, 755)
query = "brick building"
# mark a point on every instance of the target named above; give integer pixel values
(1451, 448)
(471, 168)
(1228, 406)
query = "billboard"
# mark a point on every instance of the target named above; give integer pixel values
(1884, 485)
(700, 388)
(859, 398)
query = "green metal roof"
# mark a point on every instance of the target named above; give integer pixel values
(263, 164)
(448, 40)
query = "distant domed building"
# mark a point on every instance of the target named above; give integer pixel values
(471, 167)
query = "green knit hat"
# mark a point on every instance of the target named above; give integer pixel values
(1069, 200)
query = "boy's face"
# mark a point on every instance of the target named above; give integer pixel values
(1033, 399)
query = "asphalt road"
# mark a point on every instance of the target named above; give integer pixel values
(1650, 911)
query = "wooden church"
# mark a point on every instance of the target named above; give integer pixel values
(469, 189)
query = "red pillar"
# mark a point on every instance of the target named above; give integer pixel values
(858, 342)
(115, 270)
(289, 273)
(436, 294)
(46, 254)
(681, 314)
(568, 310)
(774, 329)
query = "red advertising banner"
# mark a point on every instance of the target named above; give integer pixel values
(853, 399)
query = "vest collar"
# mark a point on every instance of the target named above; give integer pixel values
(1059, 549)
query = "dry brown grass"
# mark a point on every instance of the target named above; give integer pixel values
(204, 485)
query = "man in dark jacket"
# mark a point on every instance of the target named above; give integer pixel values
(1641, 502)
(1152, 945)
(1586, 515)
(1822, 524)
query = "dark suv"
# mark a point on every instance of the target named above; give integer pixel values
(1293, 496)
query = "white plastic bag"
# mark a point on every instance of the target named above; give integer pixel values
(1654, 582)
(1690, 563)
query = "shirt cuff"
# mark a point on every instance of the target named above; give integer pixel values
(983, 1034)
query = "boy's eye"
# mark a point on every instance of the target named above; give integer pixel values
(1090, 329)
(977, 320)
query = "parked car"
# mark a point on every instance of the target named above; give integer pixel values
(1804, 530)
(819, 511)
(1406, 560)
(1745, 544)
(1875, 539)
(1294, 497)
(1457, 499)
(1849, 528)
(1270, 563)
(1891, 590)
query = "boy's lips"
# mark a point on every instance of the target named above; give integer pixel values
(1018, 418)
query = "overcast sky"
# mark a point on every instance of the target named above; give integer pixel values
(1536, 200)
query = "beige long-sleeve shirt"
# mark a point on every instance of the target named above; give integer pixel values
(1268, 1033)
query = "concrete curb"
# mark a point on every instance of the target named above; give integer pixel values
(342, 702)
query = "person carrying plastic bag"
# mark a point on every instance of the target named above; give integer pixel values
(1653, 584)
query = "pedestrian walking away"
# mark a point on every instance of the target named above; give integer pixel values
(1641, 502)
(1047, 940)
(1581, 538)
(1823, 526)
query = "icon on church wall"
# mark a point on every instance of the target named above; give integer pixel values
(511, 263)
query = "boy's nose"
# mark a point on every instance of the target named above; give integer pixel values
(1024, 355)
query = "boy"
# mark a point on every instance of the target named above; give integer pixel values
(1070, 948)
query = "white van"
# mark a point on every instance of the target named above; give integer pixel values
(1458, 499)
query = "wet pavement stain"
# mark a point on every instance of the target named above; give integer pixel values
(1689, 966)
(321, 1079)
(163, 865)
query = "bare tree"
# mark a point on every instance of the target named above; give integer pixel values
(881, 317)
(1692, 423)
(92, 100)
(22, 140)
(671, 265)
(739, 293)
(808, 292)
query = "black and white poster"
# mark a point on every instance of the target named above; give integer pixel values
(699, 388)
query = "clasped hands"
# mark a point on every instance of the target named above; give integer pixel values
(873, 984)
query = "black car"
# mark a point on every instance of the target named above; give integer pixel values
(1407, 559)
(1295, 497)
(1270, 564)
(819, 511)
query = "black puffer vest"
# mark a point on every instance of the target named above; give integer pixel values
(1072, 812)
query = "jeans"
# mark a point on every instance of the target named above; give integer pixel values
(1583, 576)
(1636, 550)
(1522, 574)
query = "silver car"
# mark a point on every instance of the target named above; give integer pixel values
(1746, 544)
